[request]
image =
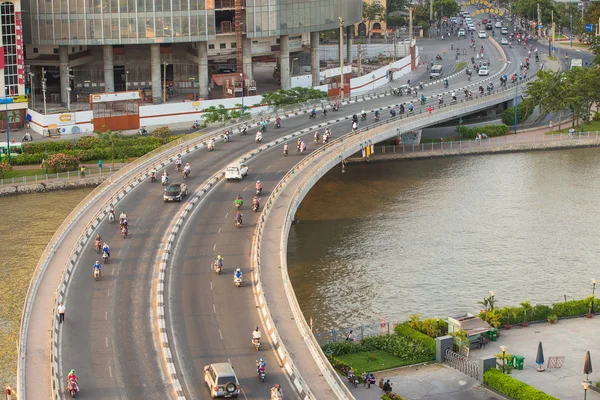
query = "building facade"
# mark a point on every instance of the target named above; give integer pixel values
(95, 46)
(376, 28)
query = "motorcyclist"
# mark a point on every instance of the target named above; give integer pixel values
(316, 136)
(106, 249)
(258, 187)
(153, 173)
(401, 108)
(261, 365)
(256, 335)
(238, 274)
(446, 82)
(276, 392)
(258, 137)
(285, 149)
(97, 266)
(278, 121)
(354, 125)
(165, 177)
(264, 126)
(123, 216)
(363, 114)
(196, 125)
(355, 118)
(239, 200)
(72, 376)
(480, 89)
(453, 96)
(377, 115)
(219, 261)
(327, 132)
(423, 99)
(256, 201)
(178, 163)
(410, 106)
(314, 111)
(187, 169)
(302, 147)
(299, 147)
(238, 217)
(98, 240)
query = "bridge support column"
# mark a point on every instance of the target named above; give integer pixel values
(203, 69)
(349, 30)
(284, 54)
(63, 58)
(247, 59)
(155, 68)
(315, 58)
(442, 344)
(109, 69)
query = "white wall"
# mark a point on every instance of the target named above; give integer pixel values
(80, 121)
(379, 77)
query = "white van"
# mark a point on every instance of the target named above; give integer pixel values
(435, 71)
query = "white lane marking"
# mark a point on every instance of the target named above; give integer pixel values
(244, 393)
(245, 189)
(220, 334)
(268, 167)
(112, 271)
(226, 215)
(106, 315)
(278, 172)
(119, 252)
(211, 286)
(214, 247)
(219, 230)
(110, 371)
(106, 340)
(108, 292)
(281, 158)
(214, 309)
(229, 360)
(256, 178)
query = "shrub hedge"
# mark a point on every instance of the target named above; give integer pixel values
(392, 396)
(540, 312)
(490, 131)
(512, 387)
(416, 336)
(524, 110)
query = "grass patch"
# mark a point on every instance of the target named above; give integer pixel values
(41, 173)
(371, 361)
(591, 126)
(459, 66)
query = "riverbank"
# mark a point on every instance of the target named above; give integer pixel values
(50, 186)
(477, 148)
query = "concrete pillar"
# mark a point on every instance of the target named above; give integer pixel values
(441, 345)
(284, 44)
(247, 58)
(315, 58)
(203, 69)
(349, 30)
(63, 57)
(109, 69)
(486, 363)
(155, 66)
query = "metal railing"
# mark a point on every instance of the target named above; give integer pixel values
(462, 363)
(89, 173)
(358, 332)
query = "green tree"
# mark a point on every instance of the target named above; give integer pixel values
(445, 7)
(548, 92)
(396, 5)
(372, 13)
(214, 114)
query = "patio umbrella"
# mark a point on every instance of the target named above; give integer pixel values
(539, 360)
(587, 365)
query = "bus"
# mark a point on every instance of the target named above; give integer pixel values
(15, 149)
(576, 62)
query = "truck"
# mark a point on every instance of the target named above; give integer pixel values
(236, 172)
(576, 62)
(435, 71)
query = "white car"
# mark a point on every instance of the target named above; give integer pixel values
(484, 71)
(498, 24)
(504, 41)
(472, 28)
(482, 35)
(236, 172)
(504, 31)
(461, 32)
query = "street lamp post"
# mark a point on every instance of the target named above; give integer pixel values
(492, 294)
(571, 22)
(593, 293)
(516, 102)
(242, 80)
(460, 121)
(44, 88)
(68, 99)
(165, 82)
(503, 348)
(585, 385)
(126, 80)
(342, 58)
(31, 75)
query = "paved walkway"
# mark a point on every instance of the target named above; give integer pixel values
(569, 338)
(431, 382)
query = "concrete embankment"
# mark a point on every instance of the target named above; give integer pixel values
(14, 189)
(475, 150)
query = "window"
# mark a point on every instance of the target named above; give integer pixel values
(222, 45)
(55, 50)
(9, 42)
(35, 50)
(233, 45)
(211, 46)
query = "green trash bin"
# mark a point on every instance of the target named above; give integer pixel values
(520, 360)
(493, 335)
(510, 361)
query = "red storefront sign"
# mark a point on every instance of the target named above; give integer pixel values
(19, 42)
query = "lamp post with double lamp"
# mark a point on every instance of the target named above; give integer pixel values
(492, 294)
(503, 348)
(242, 81)
(342, 58)
(585, 385)
(593, 293)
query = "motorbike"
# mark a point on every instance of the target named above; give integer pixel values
(353, 379)
(312, 115)
(195, 126)
(303, 150)
(377, 118)
(261, 374)
(363, 117)
(178, 167)
(263, 128)
(438, 57)
(392, 113)
(259, 191)
(316, 139)
(186, 173)
(255, 207)
(226, 138)
(238, 222)
(277, 125)
(105, 257)
(244, 130)
(237, 281)
(276, 395)
(258, 138)
(72, 387)
(111, 217)
(285, 152)
(238, 203)
(96, 273)
(423, 101)
(218, 267)
(210, 146)
(152, 178)
(97, 244)
(256, 343)
(124, 232)
(164, 180)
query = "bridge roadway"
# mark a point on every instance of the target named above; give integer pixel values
(109, 336)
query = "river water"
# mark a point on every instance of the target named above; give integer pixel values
(433, 237)
(28, 223)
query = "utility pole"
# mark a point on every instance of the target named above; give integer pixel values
(410, 26)
(359, 60)
(44, 88)
(342, 58)
(165, 82)
(31, 75)
(430, 19)
(539, 21)
(571, 21)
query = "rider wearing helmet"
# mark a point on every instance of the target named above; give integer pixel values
(219, 261)
(72, 375)
(256, 335)
(261, 365)
(97, 267)
(238, 273)
(106, 249)
(276, 392)
(258, 187)
(238, 217)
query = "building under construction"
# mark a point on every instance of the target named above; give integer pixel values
(177, 47)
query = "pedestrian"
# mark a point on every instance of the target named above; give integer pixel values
(61, 313)
(82, 172)
(430, 110)
(9, 392)
(550, 124)
(350, 337)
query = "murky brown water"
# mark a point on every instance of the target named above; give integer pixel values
(387, 240)
(27, 224)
